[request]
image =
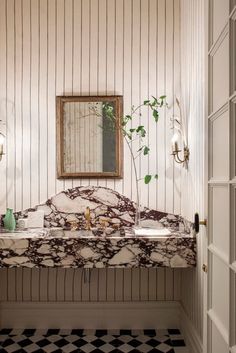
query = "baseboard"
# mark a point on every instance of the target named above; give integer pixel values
(138, 315)
(191, 336)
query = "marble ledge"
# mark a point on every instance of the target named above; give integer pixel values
(119, 247)
(56, 248)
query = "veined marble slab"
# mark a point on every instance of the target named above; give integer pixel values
(116, 246)
(96, 250)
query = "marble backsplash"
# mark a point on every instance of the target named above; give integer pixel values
(105, 205)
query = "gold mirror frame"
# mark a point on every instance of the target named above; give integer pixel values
(60, 147)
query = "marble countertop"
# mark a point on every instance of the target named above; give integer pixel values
(99, 248)
(116, 246)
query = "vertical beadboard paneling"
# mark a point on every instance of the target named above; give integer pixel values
(3, 80)
(35, 74)
(79, 47)
(43, 100)
(51, 89)
(152, 82)
(127, 88)
(68, 285)
(169, 57)
(83, 47)
(10, 96)
(192, 96)
(161, 87)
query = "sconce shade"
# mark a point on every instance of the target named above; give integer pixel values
(2, 139)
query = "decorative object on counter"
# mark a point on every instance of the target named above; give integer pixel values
(180, 133)
(36, 219)
(22, 223)
(88, 218)
(9, 220)
(131, 132)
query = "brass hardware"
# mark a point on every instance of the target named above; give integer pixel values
(104, 222)
(176, 152)
(87, 216)
(203, 223)
(204, 268)
(116, 225)
(2, 138)
(73, 225)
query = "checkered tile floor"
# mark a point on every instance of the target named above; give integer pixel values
(91, 341)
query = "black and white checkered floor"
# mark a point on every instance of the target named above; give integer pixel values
(91, 341)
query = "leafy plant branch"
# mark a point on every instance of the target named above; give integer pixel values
(139, 132)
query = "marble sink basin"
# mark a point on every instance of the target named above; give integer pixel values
(152, 232)
(80, 233)
(24, 234)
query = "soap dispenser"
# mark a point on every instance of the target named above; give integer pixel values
(9, 220)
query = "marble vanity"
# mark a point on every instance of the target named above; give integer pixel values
(111, 242)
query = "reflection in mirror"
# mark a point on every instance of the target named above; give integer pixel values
(89, 138)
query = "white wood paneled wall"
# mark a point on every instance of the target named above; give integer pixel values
(193, 181)
(85, 47)
(112, 285)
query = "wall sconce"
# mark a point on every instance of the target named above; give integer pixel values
(176, 151)
(2, 139)
(180, 127)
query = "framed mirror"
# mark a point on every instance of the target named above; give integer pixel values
(89, 138)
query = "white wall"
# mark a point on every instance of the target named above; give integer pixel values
(84, 47)
(193, 187)
(50, 48)
(126, 47)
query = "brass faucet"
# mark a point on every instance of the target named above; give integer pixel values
(104, 222)
(88, 218)
(73, 225)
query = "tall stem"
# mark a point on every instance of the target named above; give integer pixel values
(136, 179)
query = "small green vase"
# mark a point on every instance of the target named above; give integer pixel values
(9, 220)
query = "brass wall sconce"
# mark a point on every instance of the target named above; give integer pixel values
(179, 125)
(2, 139)
(176, 151)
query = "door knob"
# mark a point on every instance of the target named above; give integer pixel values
(197, 223)
(204, 268)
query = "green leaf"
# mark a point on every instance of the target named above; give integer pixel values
(147, 179)
(129, 136)
(162, 97)
(146, 150)
(155, 102)
(140, 149)
(132, 130)
(128, 117)
(139, 128)
(155, 115)
(146, 102)
(156, 176)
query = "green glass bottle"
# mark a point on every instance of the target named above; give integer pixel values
(9, 220)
